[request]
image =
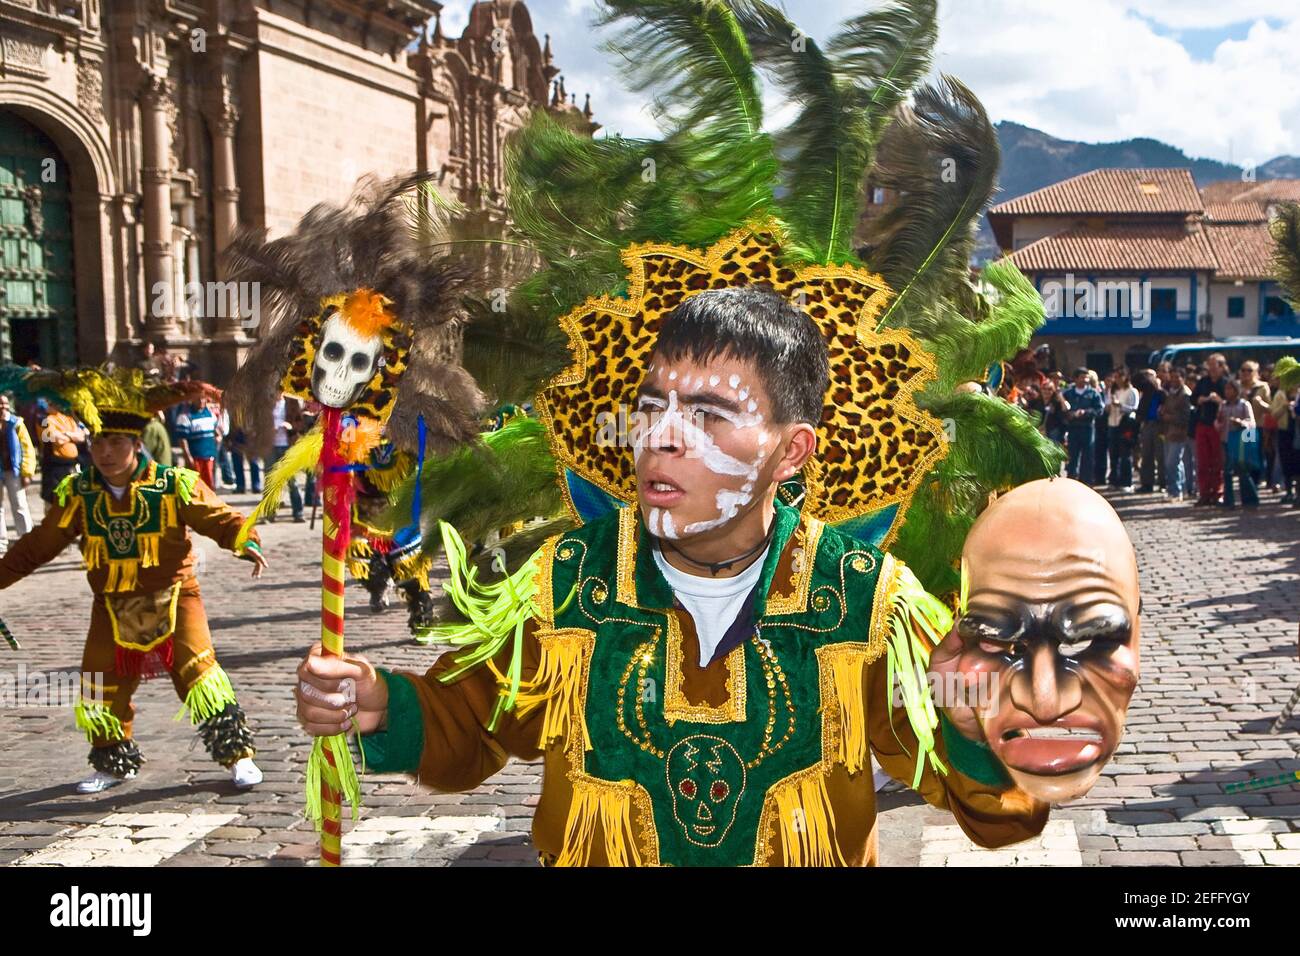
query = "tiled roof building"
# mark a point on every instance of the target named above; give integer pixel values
(1129, 260)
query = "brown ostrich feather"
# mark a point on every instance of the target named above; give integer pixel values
(373, 242)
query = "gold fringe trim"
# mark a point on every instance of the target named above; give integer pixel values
(610, 805)
(71, 511)
(94, 551)
(846, 667)
(806, 821)
(149, 549)
(123, 575)
(557, 683)
(358, 559)
(413, 567)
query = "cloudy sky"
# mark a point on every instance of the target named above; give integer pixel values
(1216, 78)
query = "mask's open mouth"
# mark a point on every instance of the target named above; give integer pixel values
(1054, 732)
(703, 831)
(1052, 750)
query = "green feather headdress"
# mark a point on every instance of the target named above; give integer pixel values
(863, 114)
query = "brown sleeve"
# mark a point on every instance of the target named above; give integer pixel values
(210, 516)
(991, 815)
(459, 750)
(43, 543)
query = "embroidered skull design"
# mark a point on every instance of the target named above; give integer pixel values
(706, 778)
(345, 361)
(121, 534)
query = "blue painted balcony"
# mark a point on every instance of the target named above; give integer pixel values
(1171, 322)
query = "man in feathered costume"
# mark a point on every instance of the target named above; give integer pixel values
(133, 518)
(753, 431)
(382, 552)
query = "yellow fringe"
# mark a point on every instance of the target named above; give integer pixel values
(848, 671)
(70, 512)
(149, 549)
(611, 806)
(555, 684)
(94, 551)
(413, 567)
(301, 456)
(123, 575)
(807, 822)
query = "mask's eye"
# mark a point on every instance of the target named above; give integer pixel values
(333, 351)
(1098, 643)
(1092, 631)
(1012, 649)
(994, 633)
(360, 361)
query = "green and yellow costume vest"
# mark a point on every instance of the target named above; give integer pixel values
(124, 537)
(713, 779)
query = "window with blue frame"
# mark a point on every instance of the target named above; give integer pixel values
(1276, 307)
(1164, 302)
(1236, 306)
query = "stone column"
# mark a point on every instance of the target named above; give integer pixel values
(155, 178)
(230, 341)
(222, 121)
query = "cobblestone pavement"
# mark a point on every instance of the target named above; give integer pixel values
(1222, 606)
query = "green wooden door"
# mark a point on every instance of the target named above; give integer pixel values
(37, 309)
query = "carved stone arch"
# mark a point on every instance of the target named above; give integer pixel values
(100, 279)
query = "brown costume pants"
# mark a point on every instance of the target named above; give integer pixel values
(193, 657)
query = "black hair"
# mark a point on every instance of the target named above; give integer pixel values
(754, 324)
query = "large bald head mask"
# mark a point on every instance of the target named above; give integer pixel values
(1053, 607)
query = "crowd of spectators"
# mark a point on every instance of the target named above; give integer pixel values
(1190, 431)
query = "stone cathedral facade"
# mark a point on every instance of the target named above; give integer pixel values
(137, 135)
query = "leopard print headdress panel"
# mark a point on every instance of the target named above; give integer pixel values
(875, 444)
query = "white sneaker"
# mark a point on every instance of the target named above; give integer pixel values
(99, 781)
(245, 773)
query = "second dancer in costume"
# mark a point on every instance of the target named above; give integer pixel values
(132, 517)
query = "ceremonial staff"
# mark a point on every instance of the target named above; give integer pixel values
(361, 305)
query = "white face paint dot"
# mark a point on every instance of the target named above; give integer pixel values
(713, 381)
(744, 394)
(752, 404)
(734, 381)
(672, 376)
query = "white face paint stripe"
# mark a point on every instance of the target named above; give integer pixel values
(701, 445)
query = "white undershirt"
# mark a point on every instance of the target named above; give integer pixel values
(118, 490)
(713, 603)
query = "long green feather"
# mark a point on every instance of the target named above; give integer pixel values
(509, 477)
(1286, 249)
(942, 156)
(845, 96)
(964, 349)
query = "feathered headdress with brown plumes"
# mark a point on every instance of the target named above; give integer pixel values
(120, 400)
(376, 247)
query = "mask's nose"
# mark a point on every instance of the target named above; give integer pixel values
(1044, 688)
